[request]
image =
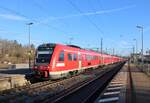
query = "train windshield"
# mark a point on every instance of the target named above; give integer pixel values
(44, 55)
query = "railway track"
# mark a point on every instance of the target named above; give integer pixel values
(86, 92)
(58, 91)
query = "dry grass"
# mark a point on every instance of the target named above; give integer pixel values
(4, 66)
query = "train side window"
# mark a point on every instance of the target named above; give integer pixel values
(69, 57)
(74, 56)
(79, 56)
(83, 57)
(61, 56)
(96, 57)
(86, 56)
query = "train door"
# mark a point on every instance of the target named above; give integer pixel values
(80, 61)
(60, 64)
(70, 64)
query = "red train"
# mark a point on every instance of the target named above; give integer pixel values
(57, 61)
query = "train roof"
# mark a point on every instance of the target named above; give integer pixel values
(47, 45)
(74, 46)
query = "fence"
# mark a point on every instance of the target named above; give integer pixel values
(145, 68)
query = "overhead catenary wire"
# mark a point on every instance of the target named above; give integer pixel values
(94, 9)
(80, 11)
(99, 2)
(30, 19)
(43, 9)
(40, 7)
(91, 5)
(94, 24)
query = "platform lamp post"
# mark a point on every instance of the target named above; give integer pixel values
(106, 51)
(136, 49)
(29, 52)
(141, 28)
(136, 45)
(133, 48)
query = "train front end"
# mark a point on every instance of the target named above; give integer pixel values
(42, 61)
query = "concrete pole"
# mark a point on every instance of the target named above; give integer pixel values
(29, 52)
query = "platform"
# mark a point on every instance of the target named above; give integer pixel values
(130, 85)
(12, 81)
(11, 78)
(116, 89)
(141, 86)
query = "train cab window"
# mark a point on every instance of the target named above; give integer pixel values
(61, 56)
(74, 56)
(69, 57)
